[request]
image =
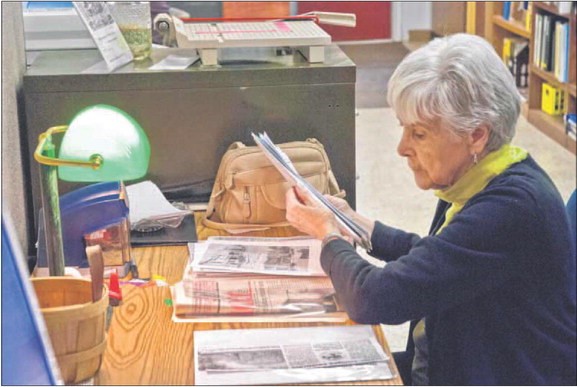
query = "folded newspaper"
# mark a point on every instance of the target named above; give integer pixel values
(272, 299)
(289, 355)
(281, 161)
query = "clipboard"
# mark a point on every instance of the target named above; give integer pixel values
(181, 235)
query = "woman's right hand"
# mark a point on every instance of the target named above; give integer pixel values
(306, 216)
(341, 204)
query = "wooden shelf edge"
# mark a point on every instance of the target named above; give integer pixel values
(511, 26)
(551, 9)
(550, 78)
(552, 127)
(546, 75)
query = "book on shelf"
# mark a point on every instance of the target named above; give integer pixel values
(506, 10)
(529, 16)
(538, 40)
(516, 57)
(545, 60)
(561, 65)
(552, 99)
(565, 47)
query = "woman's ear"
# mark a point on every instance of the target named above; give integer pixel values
(478, 139)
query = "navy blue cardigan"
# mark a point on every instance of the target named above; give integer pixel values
(497, 285)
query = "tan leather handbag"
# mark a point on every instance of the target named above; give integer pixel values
(249, 192)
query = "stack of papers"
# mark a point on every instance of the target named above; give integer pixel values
(281, 161)
(255, 280)
(149, 209)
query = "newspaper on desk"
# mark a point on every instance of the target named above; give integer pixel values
(289, 355)
(281, 161)
(256, 299)
(298, 256)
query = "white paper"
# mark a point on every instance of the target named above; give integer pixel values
(105, 32)
(289, 355)
(147, 202)
(174, 62)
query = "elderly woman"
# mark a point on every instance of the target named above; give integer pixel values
(491, 291)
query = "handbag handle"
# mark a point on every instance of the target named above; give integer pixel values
(236, 145)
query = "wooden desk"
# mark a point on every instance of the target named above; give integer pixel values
(146, 348)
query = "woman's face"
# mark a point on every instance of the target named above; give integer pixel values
(437, 157)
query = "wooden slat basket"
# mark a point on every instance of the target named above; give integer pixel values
(76, 325)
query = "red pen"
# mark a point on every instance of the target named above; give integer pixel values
(114, 292)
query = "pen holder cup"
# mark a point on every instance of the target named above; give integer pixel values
(135, 23)
(76, 325)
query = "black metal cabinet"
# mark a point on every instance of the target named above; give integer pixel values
(192, 115)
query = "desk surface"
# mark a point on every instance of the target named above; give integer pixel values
(146, 348)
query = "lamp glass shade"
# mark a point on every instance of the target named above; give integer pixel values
(111, 133)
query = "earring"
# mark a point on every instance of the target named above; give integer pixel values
(475, 159)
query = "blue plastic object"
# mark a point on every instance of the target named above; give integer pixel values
(83, 211)
(27, 355)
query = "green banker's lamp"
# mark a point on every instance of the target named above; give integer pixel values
(102, 143)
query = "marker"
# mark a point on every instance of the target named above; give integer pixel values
(114, 292)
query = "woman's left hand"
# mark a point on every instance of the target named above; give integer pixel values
(305, 216)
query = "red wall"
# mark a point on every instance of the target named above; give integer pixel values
(248, 9)
(373, 18)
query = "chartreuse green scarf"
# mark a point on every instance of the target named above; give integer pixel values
(477, 178)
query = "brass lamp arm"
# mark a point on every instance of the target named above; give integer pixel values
(95, 161)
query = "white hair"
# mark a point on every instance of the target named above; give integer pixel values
(460, 83)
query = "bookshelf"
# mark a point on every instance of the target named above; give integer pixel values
(496, 29)
(552, 125)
